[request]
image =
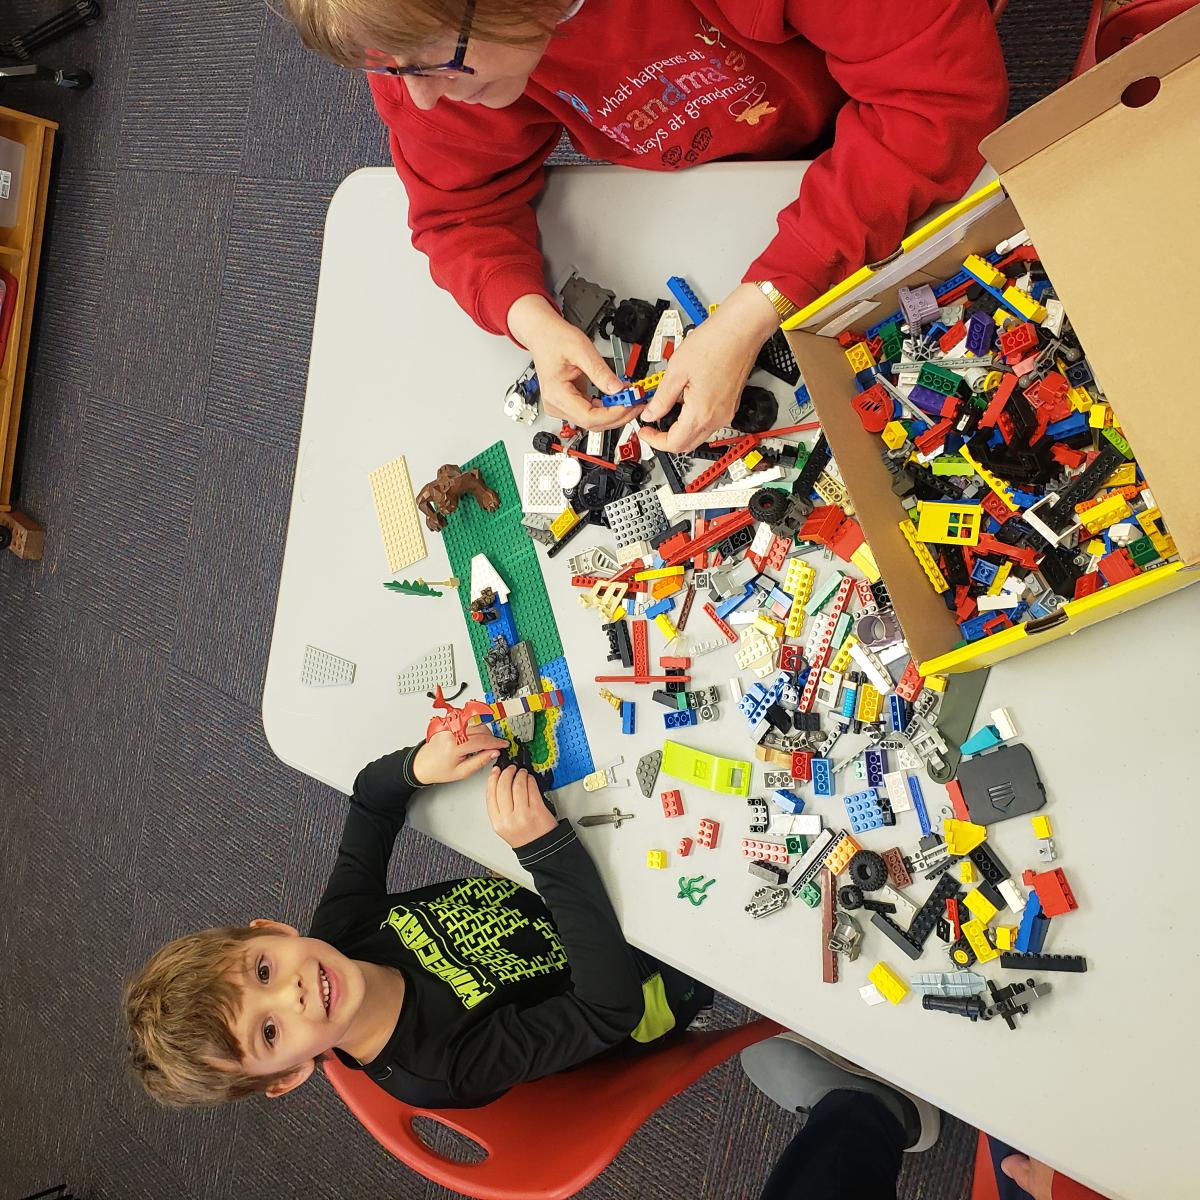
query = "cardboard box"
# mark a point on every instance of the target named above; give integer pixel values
(1108, 195)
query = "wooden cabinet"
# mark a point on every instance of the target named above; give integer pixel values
(20, 253)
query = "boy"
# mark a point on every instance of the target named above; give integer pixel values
(890, 99)
(446, 996)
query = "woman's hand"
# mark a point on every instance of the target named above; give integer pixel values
(564, 356)
(443, 760)
(707, 373)
(515, 806)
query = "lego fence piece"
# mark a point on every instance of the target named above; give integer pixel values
(396, 509)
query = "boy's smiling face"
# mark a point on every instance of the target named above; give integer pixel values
(299, 997)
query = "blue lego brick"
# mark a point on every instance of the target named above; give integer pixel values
(574, 755)
(876, 760)
(1038, 609)
(504, 624)
(623, 399)
(754, 703)
(849, 698)
(897, 712)
(1040, 288)
(682, 719)
(802, 396)
(659, 607)
(1024, 499)
(1031, 933)
(998, 296)
(981, 333)
(948, 285)
(734, 602)
(688, 300)
(1068, 426)
(863, 810)
(984, 572)
(918, 802)
(788, 801)
(872, 331)
(865, 378)
(628, 719)
(822, 777)
(973, 629)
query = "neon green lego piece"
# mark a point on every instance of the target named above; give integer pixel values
(728, 776)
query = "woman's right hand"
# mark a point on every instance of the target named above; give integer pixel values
(564, 357)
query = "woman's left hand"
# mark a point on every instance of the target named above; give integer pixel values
(707, 373)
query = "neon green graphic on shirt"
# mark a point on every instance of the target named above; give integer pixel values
(458, 937)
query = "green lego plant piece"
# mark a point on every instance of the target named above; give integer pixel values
(413, 587)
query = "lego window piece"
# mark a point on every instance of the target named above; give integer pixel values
(1000, 784)
(541, 491)
(322, 669)
(396, 509)
(434, 669)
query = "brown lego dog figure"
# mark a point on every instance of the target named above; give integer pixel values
(441, 497)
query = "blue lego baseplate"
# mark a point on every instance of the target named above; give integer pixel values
(863, 810)
(574, 753)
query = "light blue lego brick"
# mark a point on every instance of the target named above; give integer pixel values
(788, 801)
(734, 602)
(984, 739)
(822, 776)
(849, 698)
(687, 299)
(918, 802)
(863, 810)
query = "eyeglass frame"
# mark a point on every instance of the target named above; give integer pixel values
(456, 66)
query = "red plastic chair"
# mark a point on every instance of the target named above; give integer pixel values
(1104, 37)
(547, 1139)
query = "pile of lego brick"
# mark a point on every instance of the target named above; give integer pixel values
(1022, 491)
(735, 529)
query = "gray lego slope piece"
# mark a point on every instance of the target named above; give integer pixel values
(322, 669)
(435, 669)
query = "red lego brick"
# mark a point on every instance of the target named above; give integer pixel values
(631, 362)
(1085, 585)
(1017, 343)
(849, 537)
(995, 507)
(997, 403)
(684, 848)
(588, 581)
(996, 623)
(933, 438)
(706, 834)
(630, 451)
(672, 803)
(1118, 566)
(728, 633)
(739, 449)
(1020, 554)
(954, 791)
(1067, 456)
(789, 658)
(758, 849)
(777, 552)
(1053, 891)
(911, 682)
(952, 917)
(669, 662)
(641, 649)
(675, 542)
(717, 531)
(802, 766)
(953, 336)
(822, 524)
(875, 345)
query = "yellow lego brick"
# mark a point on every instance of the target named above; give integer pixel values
(841, 660)
(982, 269)
(1041, 827)
(536, 703)
(1108, 512)
(564, 522)
(895, 435)
(949, 524)
(1098, 415)
(864, 559)
(834, 491)
(962, 836)
(659, 573)
(1001, 575)
(936, 683)
(649, 381)
(931, 569)
(997, 484)
(966, 871)
(981, 907)
(657, 859)
(795, 620)
(1148, 519)
(859, 357)
(752, 460)
(1164, 543)
(870, 704)
(1006, 937)
(890, 985)
(1080, 399)
(770, 625)
(1096, 546)
(839, 857)
(976, 937)
(1025, 304)
(667, 626)
(1124, 476)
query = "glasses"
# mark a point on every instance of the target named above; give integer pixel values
(454, 67)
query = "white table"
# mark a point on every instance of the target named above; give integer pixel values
(1098, 1080)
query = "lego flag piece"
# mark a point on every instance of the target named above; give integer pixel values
(396, 509)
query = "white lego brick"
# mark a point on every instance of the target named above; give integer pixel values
(870, 994)
(595, 442)
(807, 824)
(1012, 894)
(761, 542)
(735, 688)
(897, 789)
(871, 667)
(1005, 723)
(995, 603)
(891, 654)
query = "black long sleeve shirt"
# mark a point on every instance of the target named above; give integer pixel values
(501, 986)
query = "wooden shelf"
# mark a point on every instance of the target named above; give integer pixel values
(20, 254)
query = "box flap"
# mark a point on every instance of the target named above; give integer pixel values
(1109, 194)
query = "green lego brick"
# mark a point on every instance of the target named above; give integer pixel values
(1142, 551)
(892, 341)
(810, 893)
(1118, 441)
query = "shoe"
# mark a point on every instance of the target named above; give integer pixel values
(797, 1073)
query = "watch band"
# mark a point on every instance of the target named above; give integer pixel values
(781, 304)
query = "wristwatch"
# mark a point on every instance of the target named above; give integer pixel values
(781, 304)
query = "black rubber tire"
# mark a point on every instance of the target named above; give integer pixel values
(769, 505)
(868, 870)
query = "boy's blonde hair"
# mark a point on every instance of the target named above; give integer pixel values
(180, 1012)
(347, 30)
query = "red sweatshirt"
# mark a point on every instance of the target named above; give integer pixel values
(913, 86)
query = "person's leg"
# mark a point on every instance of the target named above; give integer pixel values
(849, 1149)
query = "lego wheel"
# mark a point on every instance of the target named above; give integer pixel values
(868, 870)
(769, 505)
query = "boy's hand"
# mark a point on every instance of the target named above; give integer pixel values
(707, 373)
(443, 760)
(515, 806)
(564, 356)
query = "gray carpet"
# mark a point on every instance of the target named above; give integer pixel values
(140, 798)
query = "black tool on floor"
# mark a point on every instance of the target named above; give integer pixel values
(31, 73)
(75, 16)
